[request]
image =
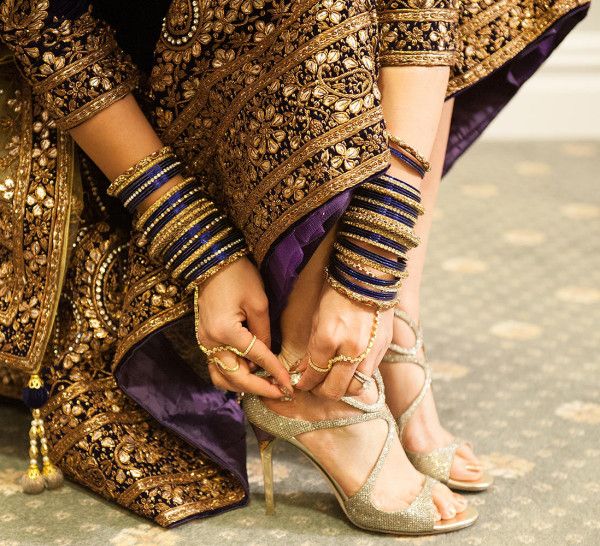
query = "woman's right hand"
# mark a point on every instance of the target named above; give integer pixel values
(234, 296)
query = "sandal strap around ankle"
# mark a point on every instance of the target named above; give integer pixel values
(398, 353)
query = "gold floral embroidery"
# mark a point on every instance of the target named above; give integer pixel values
(417, 32)
(37, 172)
(274, 96)
(100, 437)
(74, 66)
(491, 33)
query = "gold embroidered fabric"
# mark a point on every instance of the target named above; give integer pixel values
(99, 437)
(417, 32)
(75, 66)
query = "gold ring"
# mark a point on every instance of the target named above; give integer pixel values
(358, 359)
(222, 348)
(222, 366)
(249, 348)
(317, 368)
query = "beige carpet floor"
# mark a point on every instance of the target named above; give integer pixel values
(512, 322)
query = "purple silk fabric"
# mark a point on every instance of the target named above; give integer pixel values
(156, 377)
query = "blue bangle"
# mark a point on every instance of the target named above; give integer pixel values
(376, 237)
(197, 243)
(382, 296)
(409, 161)
(134, 185)
(198, 271)
(409, 222)
(337, 264)
(393, 187)
(396, 265)
(179, 194)
(213, 250)
(185, 203)
(164, 177)
(398, 181)
(191, 232)
(388, 200)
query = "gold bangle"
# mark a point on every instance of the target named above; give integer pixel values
(141, 219)
(358, 359)
(169, 263)
(353, 257)
(376, 244)
(179, 224)
(396, 229)
(398, 197)
(213, 270)
(199, 251)
(160, 217)
(359, 298)
(403, 146)
(123, 180)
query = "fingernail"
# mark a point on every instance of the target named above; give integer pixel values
(285, 399)
(451, 513)
(285, 390)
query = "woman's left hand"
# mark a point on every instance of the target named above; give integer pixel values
(343, 327)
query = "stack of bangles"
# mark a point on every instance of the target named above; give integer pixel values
(382, 213)
(182, 228)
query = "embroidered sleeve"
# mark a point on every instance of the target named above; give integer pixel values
(417, 32)
(73, 63)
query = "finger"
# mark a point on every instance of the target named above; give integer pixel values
(338, 381)
(366, 368)
(320, 350)
(257, 317)
(241, 380)
(260, 354)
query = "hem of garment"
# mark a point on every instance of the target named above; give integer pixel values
(504, 85)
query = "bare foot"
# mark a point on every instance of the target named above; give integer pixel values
(424, 432)
(349, 454)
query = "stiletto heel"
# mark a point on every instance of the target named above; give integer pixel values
(436, 463)
(418, 519)
(265, 448)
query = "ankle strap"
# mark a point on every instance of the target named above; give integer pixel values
(398, 353)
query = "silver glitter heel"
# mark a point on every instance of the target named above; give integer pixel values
(418, 519)
(436, 463)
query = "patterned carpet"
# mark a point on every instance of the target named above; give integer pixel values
(511, 315)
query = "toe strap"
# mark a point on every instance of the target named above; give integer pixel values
(419, 517)
(436, 463)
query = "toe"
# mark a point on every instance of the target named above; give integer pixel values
(460, 503)
(466, 466)
(444, 501)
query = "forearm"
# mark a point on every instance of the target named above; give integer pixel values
(117, 138)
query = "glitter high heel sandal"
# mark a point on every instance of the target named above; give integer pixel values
(417, 519)
(436, 463)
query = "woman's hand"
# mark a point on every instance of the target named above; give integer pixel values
(343, 327)
(232, 297)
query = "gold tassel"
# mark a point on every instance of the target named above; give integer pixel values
(35, 481)
(32, 481)
(53, 477)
